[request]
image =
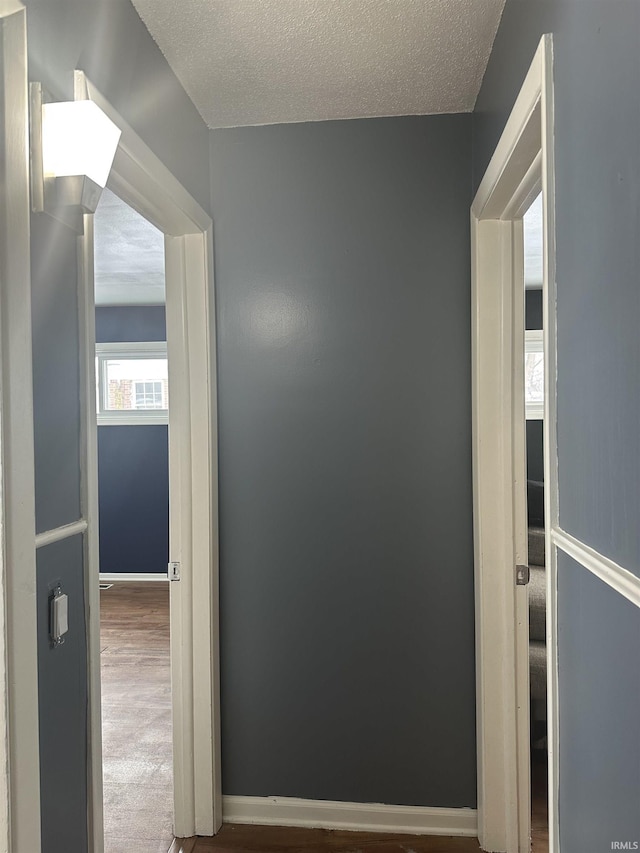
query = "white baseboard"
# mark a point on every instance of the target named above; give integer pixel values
(129, 577)
(371, 817)
(183, 845)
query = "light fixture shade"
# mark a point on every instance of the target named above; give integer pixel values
(78, 139)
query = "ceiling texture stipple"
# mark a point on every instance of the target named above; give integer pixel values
(129, 256)
(248, 62)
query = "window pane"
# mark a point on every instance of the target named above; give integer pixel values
(534, 377)
(136, 383)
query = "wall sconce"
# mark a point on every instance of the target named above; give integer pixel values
(73, 145)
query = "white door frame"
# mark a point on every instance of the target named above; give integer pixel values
(521, 166)
(19, 725)
(140, 179)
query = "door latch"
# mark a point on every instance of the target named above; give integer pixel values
(174, 571)
(522, 575)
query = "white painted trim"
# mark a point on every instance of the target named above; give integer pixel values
(194, 623)
(519, 167)
(140, 179)
(89, 505)
(183, 845)
(621, 580)
(133, 577)
(365, 817)
(139, 176)
(146, 417)
(132, 420)
(550, 435)
(10, 7)
(66, 531)
(133, 349)
(517, 149)
(20, 763)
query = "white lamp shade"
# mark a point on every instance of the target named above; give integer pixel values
(78, 139)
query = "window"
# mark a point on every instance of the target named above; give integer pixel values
(148, 395)
(132, 383)
(534, 375)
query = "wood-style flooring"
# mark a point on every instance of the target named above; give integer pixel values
(136, 718)
(274, 839)
(136, 710)
(539, 802)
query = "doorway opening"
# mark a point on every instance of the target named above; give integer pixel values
(144, 183)
(533, 237)
(132, 406)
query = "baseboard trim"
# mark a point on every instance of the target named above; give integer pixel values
(183, 845)
(370, 817)
(131, 577)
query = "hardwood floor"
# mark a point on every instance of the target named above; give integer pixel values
(136, 718)
(539, 803)
(136, 714)
(275, 839)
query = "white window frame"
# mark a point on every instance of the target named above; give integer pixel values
(534, 342)
(128, 417)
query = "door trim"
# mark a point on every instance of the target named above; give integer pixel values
(140, 179)
(19, 722)
(521, 166)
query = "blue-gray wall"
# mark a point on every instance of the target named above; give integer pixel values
(107, 40)
(599, 638)
(597, 145)
(62, 681)
(343, 288)
(133, 464)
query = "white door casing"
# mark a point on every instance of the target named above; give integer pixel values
(19, 726)
(140, 179)
(521, 166)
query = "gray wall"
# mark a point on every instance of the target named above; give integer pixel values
(598, 644)
(62, 680)
(107, 39)
(62, 683)
(343, 286)
(597, 140)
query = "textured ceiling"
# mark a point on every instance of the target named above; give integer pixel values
(129, 256)
(247, 62)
